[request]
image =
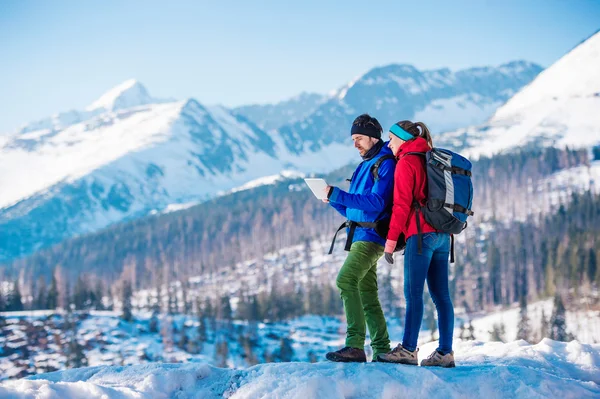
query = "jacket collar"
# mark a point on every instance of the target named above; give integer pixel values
(417, 145)
(373, 151)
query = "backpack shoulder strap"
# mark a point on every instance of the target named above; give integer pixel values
(375, 167)
(417, 153)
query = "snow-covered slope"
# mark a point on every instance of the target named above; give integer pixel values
(560, 107)
(484, 370)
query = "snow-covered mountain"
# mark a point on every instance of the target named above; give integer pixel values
(61, 177)
(441, 98)
(273, 116)
(561, 107)
(129, 154)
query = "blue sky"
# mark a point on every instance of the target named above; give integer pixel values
(61, 55)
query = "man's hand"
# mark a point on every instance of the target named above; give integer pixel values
(327, 191)
(389, 258)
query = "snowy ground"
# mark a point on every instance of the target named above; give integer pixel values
(32, 343)
(490, 370)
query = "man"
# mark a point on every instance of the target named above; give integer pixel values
(368, 200)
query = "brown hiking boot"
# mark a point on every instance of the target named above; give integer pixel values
(436, 359)
(347, 355)
(400, 355)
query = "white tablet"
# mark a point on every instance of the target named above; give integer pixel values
(317, 186)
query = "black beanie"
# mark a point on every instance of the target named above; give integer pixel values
(369, 130)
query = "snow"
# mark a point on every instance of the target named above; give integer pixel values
(80, 149)
(559, 107)
(130, 93)
(456, 112)
(269, 180)
(561, 122)
(577, 74)
(584, 324)
(490, 370)
(341, 93)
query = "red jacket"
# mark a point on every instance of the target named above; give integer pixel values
(410, 183)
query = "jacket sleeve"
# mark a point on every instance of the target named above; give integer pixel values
(404, 184)
(340, 208)
(374, 200)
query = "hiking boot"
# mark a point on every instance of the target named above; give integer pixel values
(400, 355)
(347, 355)
(437, 359)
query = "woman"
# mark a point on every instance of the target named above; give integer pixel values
(424, 260)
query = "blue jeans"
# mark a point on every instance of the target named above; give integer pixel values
(431, 264)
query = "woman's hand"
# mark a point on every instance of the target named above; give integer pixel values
(390, 245)
(389, 258)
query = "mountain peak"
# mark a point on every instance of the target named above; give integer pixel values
(128, 94)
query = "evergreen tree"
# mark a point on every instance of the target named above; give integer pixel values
(126, 302)
(153, 325)
(201, 329)
(15, 302)
(52, 298)
(159, 294)
(41, 298)
(494, 265)
(184, 297)
(80, 294)
(255, 313)
(76, 357)
(498, 332)
(463, 331)
(99, 296)
(558, 325)
(183, 338)
(285, 353)
(248, 347)
(221, 353)
(471, 330)
(225, 312)
(208, 309)
(167, 333)
(524, 330)
(172, 308)
(172, 299)
(592, 265)
(74, 351)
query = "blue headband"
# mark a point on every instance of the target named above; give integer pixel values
(401, 133)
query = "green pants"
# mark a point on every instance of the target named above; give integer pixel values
(357, 281)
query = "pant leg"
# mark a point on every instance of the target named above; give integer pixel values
(415, 272)
(437, 282)
(380, 339)
(357, 264)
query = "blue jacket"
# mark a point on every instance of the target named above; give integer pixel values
(367, 200)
